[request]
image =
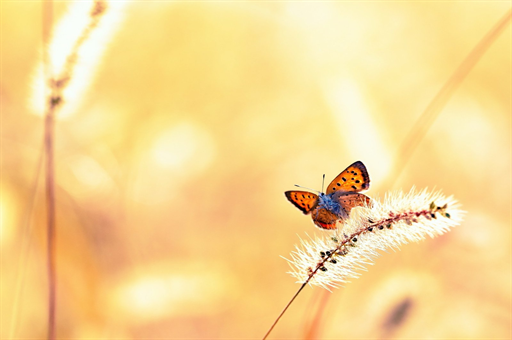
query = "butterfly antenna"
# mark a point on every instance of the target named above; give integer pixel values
(300, 186)
(323, 180)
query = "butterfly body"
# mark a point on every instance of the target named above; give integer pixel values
(327, 209)
(331, 203)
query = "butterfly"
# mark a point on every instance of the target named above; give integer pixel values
(341, 196)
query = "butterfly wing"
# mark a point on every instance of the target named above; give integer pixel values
(352, 200)
(324, 218)
(303, 200)
(353, 179)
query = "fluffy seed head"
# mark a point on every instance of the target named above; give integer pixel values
(400, 218)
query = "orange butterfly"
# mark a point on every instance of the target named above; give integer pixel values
(341, 196)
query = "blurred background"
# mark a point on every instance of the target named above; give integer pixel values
(185, 123)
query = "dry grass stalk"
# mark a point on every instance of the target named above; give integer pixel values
(332, 259)
(54, 101)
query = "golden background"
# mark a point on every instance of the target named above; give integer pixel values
(172, 158)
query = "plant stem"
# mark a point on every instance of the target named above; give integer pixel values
(427, 118)
(47, 21)
(50, 207)
(285, 308)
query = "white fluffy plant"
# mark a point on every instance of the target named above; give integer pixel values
(333, 258)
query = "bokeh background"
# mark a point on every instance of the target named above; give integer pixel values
(188, 120)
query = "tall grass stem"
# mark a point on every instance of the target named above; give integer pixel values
(49, 175)
(427, 118)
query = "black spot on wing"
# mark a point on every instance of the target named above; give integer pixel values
(359, 165)
(302, 200)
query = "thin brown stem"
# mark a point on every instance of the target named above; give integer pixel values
(49, 174)
(50, 208)
(285, 308)
(55, 85)
(423, 124)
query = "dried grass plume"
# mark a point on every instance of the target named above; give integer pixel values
(333, 259)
